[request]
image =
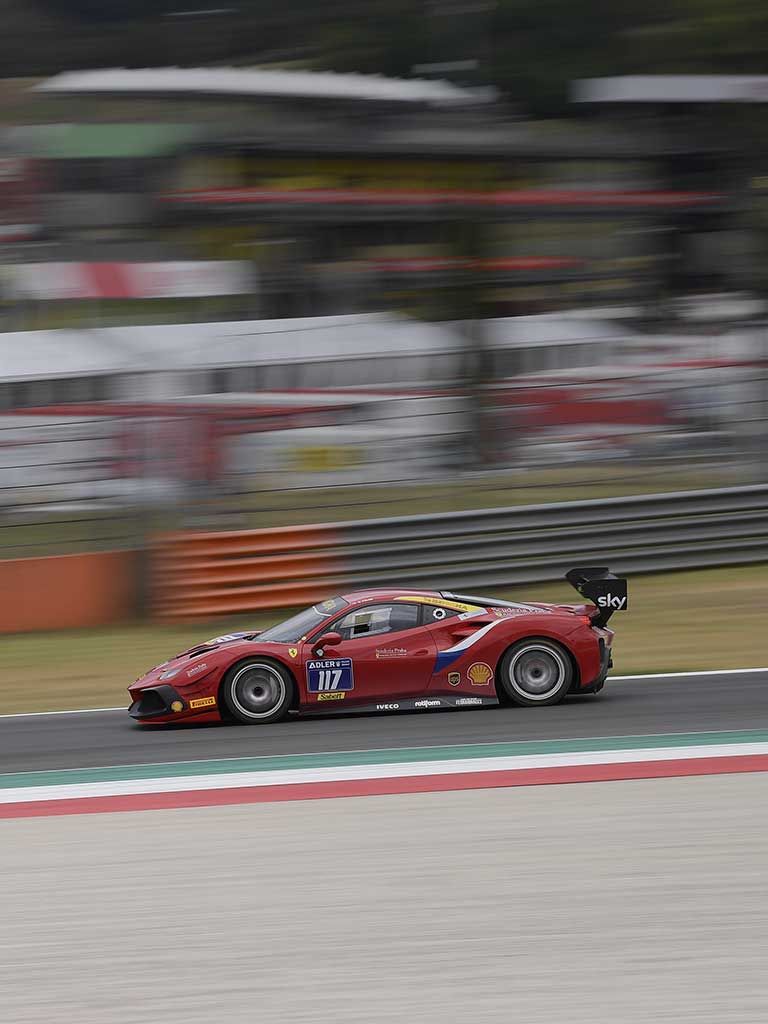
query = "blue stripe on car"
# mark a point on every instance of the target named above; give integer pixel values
(446, 658)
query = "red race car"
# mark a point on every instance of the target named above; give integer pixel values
(392, 650)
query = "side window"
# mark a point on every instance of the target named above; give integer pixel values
(377, 619)
(434, 613)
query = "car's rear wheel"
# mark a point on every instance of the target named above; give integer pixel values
(535, 672)
(258, 691)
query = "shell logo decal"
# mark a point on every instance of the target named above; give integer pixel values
(480, 674)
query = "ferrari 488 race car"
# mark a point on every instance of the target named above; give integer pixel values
(392, 650)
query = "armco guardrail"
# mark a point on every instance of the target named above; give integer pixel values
(199, 575)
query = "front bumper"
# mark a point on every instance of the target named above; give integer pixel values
(161, 701)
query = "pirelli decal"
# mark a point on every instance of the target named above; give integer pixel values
(203, 702)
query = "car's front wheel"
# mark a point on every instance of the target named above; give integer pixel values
(257, 691)
(535, 672)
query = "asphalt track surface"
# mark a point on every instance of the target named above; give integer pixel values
(721, 702)
(609, 903)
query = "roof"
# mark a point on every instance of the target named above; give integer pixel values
(672, 89)
(40, 355)
(550, 329)
(35, 355)
(390, 593)
(253, 342)
(315, 85)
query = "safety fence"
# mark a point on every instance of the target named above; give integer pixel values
(202, 575)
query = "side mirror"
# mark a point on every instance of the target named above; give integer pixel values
(327, 640)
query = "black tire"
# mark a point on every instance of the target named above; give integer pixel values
(535, 672)
(257, 691)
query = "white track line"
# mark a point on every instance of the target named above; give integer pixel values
(611, 679)
(79, 711)
(683, 675)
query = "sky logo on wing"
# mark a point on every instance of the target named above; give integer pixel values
(446, 658)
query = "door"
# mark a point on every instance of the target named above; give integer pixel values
(384, 654)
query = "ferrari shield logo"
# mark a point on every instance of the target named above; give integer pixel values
(293, 651)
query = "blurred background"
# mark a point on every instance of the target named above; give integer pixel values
(276, 280)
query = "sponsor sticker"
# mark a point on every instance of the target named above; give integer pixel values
(480, 674)
(332, 695)
(462, 702)
(330, 674)
(197, 670)
(457, 606)
(522, 609)
(454, 678)
(391, 652)
(426, 703)
(439, 613)
(203, 702)
(334, 604)
(387, 707)
(177, 706)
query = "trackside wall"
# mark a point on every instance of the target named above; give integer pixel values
(68, 591)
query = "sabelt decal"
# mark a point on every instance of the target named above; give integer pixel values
(457, 606)
(330, 674)
(454, 678)
(203, 702)
(391, 652)
(197, 670)
(332, 695)
(480, 674)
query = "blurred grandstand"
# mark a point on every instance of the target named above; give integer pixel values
(235, 297)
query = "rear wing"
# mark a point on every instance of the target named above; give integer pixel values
(599, 585)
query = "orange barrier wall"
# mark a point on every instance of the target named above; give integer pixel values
(67, 591)
(202, 575)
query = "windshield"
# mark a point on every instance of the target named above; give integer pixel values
(305, 622)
